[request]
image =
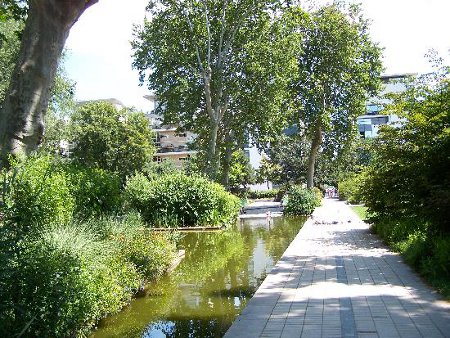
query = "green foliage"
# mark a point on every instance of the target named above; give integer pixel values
(96, 191)
(287, 158)
(241, 172)
(300, 201)
(118, 141)
(178, 200)
(339, 66)
(422, 249)
(61, 281)
(352, 188)
(409, 174)
(60, 107)
(9, 49)
(272, 193)
(38, 195)
(219, 68)
(43, 190)
(153, 170)
(408, 182)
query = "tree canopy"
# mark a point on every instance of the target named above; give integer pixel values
(409, 176)
(218, 67)
(116, 140)
(338, 67)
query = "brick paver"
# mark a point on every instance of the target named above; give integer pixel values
(336, 279)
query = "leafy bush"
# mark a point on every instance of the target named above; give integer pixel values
(409, 173)
(272, 193)
(351, 189)
(180, 200)
(301, 201)
(62, 281)
(423, 249)
(44, 190)
(96, 191)
(59, 282)
(151, 253)
(39, 193)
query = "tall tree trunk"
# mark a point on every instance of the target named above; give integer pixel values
(315, 146)
(46, 30)
(212, 158)
(227, 161)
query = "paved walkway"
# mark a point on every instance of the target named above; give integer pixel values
(336, 279)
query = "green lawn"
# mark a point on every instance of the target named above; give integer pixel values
(361, 211)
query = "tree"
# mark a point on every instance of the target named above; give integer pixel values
(104, 137)
(339, 66)
(289, 154)
(9, 48)
(241, 172)
(46, 30)
(409, 176)
(60, 107)
(218, 67)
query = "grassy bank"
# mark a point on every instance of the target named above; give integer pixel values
(361, 211)
(423, 249)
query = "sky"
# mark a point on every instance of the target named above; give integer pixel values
(99, 52)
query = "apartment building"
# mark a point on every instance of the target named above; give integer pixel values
(171, 144)
(370, 123)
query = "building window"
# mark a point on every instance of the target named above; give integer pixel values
(373, 109)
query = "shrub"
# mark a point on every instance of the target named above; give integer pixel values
(351, 189)
(59, 282)
(422, 248)
(62, 281)
(39, 194)
(272, 193)
(96, 191)
(301, 201)
(44, 190)
(180, 200)
(151, 253)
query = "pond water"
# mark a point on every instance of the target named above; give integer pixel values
(211, 286)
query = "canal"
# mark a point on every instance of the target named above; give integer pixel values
(207, 291)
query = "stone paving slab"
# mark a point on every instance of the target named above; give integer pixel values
(336, 279)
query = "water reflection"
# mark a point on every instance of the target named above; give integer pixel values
(202, 297)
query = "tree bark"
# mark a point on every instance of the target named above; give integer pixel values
(315, 146)
(46, 30)
(227, 161)
(212, 159)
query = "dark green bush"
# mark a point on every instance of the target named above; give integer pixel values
(422, 248)
(351, 189)
(62, 281)
(39, 194)
(301, 201)
(178, 200)
(271, 193)
(44, 190)
(96, 191)
(59, 282)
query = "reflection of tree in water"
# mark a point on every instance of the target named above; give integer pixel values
(281, 233)
(210, 287)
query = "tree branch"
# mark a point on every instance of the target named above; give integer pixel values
(208, 30)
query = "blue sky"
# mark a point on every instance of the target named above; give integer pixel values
(99, 57)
